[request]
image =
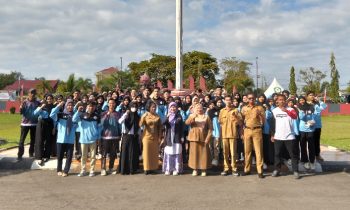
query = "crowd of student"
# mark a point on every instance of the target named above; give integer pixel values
(200, 130)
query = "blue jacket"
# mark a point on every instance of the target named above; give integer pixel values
(29, 118)
(304, 118)
(318, 110)
(89, 126)
(110, 126)
(63, 134)
(267, 123)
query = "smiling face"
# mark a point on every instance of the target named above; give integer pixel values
(152, 109)
(49, 100)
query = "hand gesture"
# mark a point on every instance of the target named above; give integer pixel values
(272, 139)
(81, 108)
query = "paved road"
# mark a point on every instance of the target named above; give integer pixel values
(37, 189)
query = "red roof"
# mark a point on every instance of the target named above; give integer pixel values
(110, 70)
(27, 84)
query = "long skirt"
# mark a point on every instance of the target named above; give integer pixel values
(129, 155)
(150, 154)
(172, 163)
(199, 155)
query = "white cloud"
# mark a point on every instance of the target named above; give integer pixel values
(58, 37)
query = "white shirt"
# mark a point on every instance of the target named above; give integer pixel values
(284, 126)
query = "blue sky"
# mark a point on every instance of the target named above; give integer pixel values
(58, 37)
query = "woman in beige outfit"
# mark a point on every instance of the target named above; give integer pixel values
(151, 138)
(199, 137)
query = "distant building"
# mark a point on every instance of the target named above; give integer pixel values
(105, 73)
(28, 84)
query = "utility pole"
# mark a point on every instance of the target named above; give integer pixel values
(121, 63)
(257, 73)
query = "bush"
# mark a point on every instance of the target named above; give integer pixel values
(13, 110)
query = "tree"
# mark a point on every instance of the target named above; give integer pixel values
(292, 85)
(123, 79)
(199, 64)
(162, 68)
(334, 86)
(44, 87)
(348, 88)
(236, 73)
(73, 84)
(312, 77)
(9, 79)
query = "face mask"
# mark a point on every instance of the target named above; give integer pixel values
(133, 109)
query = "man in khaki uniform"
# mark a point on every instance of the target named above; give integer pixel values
(253, 118)
(230, 119)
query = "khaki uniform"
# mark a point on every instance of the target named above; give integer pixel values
(253, 117)
(230, 120)
(150, 140)
(199, 134)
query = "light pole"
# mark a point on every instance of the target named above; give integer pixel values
(257, 74)
(121, 63)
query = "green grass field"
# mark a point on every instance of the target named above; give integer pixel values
(335, 131)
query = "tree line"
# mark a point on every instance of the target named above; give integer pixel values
(229, 72)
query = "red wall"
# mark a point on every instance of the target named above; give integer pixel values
(343, 109)
(10, 104)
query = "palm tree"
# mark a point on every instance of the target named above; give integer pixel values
(43, 87)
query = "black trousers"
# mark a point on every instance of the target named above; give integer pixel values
(289, 146)
(61, 149)
(317, 138)
(43, 139)
(24, 132)
(307, 147)
(54, 145)
(268, 149)
(129, 155)
(77, 145)
(108, 147)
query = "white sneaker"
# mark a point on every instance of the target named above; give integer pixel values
(253, 161)
(312, 166)
(215, 162)
(92, 174)
(175, 173)
(264, 166)
(82, 173)
(103, 172)
(307, 166)
(167, 173)
(204, 173)
(289, 162)
(195, 173)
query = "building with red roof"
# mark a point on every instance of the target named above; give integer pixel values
(28, 84)
(105, 73)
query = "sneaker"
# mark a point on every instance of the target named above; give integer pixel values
(235, 173)
(289, 162)
(167, 173)
(195, 173)
(64, 175)
(40, 162)
(246, 173)
(110, 171)
(215, 162)
(204, 173)
(312, 166)
(103, 172)
(81, 174)
(319, 158)
(307, 166)
(224, 173)
(92, 174)
(275, 173)
(19, 159)
(264, 166)
(261, 176)
(296, 175)
(175, 173)
(59, 173)
(46, 159)
(98, 157)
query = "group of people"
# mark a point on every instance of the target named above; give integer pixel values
(200, 130)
